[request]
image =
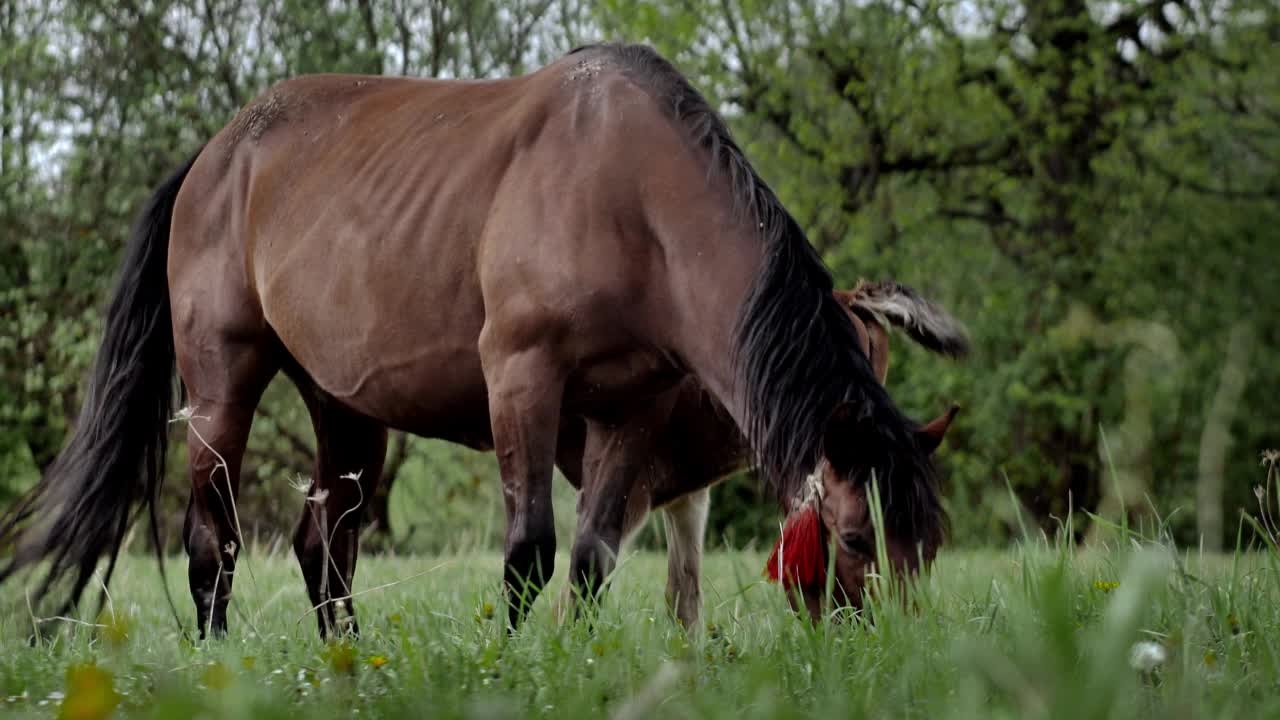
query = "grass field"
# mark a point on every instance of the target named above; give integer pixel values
(1030, 632)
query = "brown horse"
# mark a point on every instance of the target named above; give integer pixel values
(466, 260)
(833, 514)
(687, 442)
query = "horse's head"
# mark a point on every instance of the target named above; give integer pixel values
(836, 511)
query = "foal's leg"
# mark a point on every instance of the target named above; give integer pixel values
(636, 513)
(350, 450)
(526, 387)
(686, 525)
(612, 493)
(570, 459)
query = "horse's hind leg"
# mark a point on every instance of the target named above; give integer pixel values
(224, 385)
(350, 450)
(686, 524)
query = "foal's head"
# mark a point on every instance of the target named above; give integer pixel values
(845, 513)
(834, 508)
(835, 512)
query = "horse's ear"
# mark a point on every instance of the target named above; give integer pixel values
(841, 436)
(848, 299)
(929, 436)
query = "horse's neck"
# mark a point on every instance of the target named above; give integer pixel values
(710, 279)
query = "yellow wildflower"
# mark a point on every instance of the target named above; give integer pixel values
(216, 676)
(341, 657)
(90, 695)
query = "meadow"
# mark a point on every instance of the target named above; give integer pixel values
(1130, 629)
(1089, 186)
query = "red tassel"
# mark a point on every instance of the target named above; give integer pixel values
(803, 552)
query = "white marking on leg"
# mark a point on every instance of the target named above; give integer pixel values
(686, 525)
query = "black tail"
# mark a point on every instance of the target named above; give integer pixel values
(113, 465)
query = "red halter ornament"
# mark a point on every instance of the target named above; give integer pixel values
(800, 555)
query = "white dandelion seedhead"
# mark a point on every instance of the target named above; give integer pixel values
(230, 548)
(1146, 655)
(186, 414)
(352, 476)
(319, 497)
(301, 483)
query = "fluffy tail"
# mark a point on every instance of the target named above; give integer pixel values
(925, 322)
(113, 465)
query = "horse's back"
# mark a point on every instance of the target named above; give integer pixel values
(373, 225)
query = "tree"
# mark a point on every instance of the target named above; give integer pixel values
(1028, 164)
(1036, 146)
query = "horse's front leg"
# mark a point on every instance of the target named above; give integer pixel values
(525, 392)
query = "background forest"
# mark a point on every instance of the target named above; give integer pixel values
(1090, 186)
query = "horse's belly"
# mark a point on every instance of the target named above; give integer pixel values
(433, 389)
(411, 364)
(439, 396)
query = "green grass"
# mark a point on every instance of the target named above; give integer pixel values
(1031, 632)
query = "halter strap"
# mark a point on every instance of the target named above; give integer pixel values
(811, 492)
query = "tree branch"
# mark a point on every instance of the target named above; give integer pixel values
(396, 456)
(371, 34)
(1269, 192)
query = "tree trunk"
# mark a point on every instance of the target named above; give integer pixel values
(379, 513)
(1215, 441)
(8, 86)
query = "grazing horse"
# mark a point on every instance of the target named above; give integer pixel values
(830, 512)
(464, 260)
(687, 443)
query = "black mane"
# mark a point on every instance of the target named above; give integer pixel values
(796, 354)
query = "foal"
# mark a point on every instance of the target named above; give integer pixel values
(831, 511)
(691, 443)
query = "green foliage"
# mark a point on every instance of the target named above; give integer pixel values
(1089, 187)
(1090, 191)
